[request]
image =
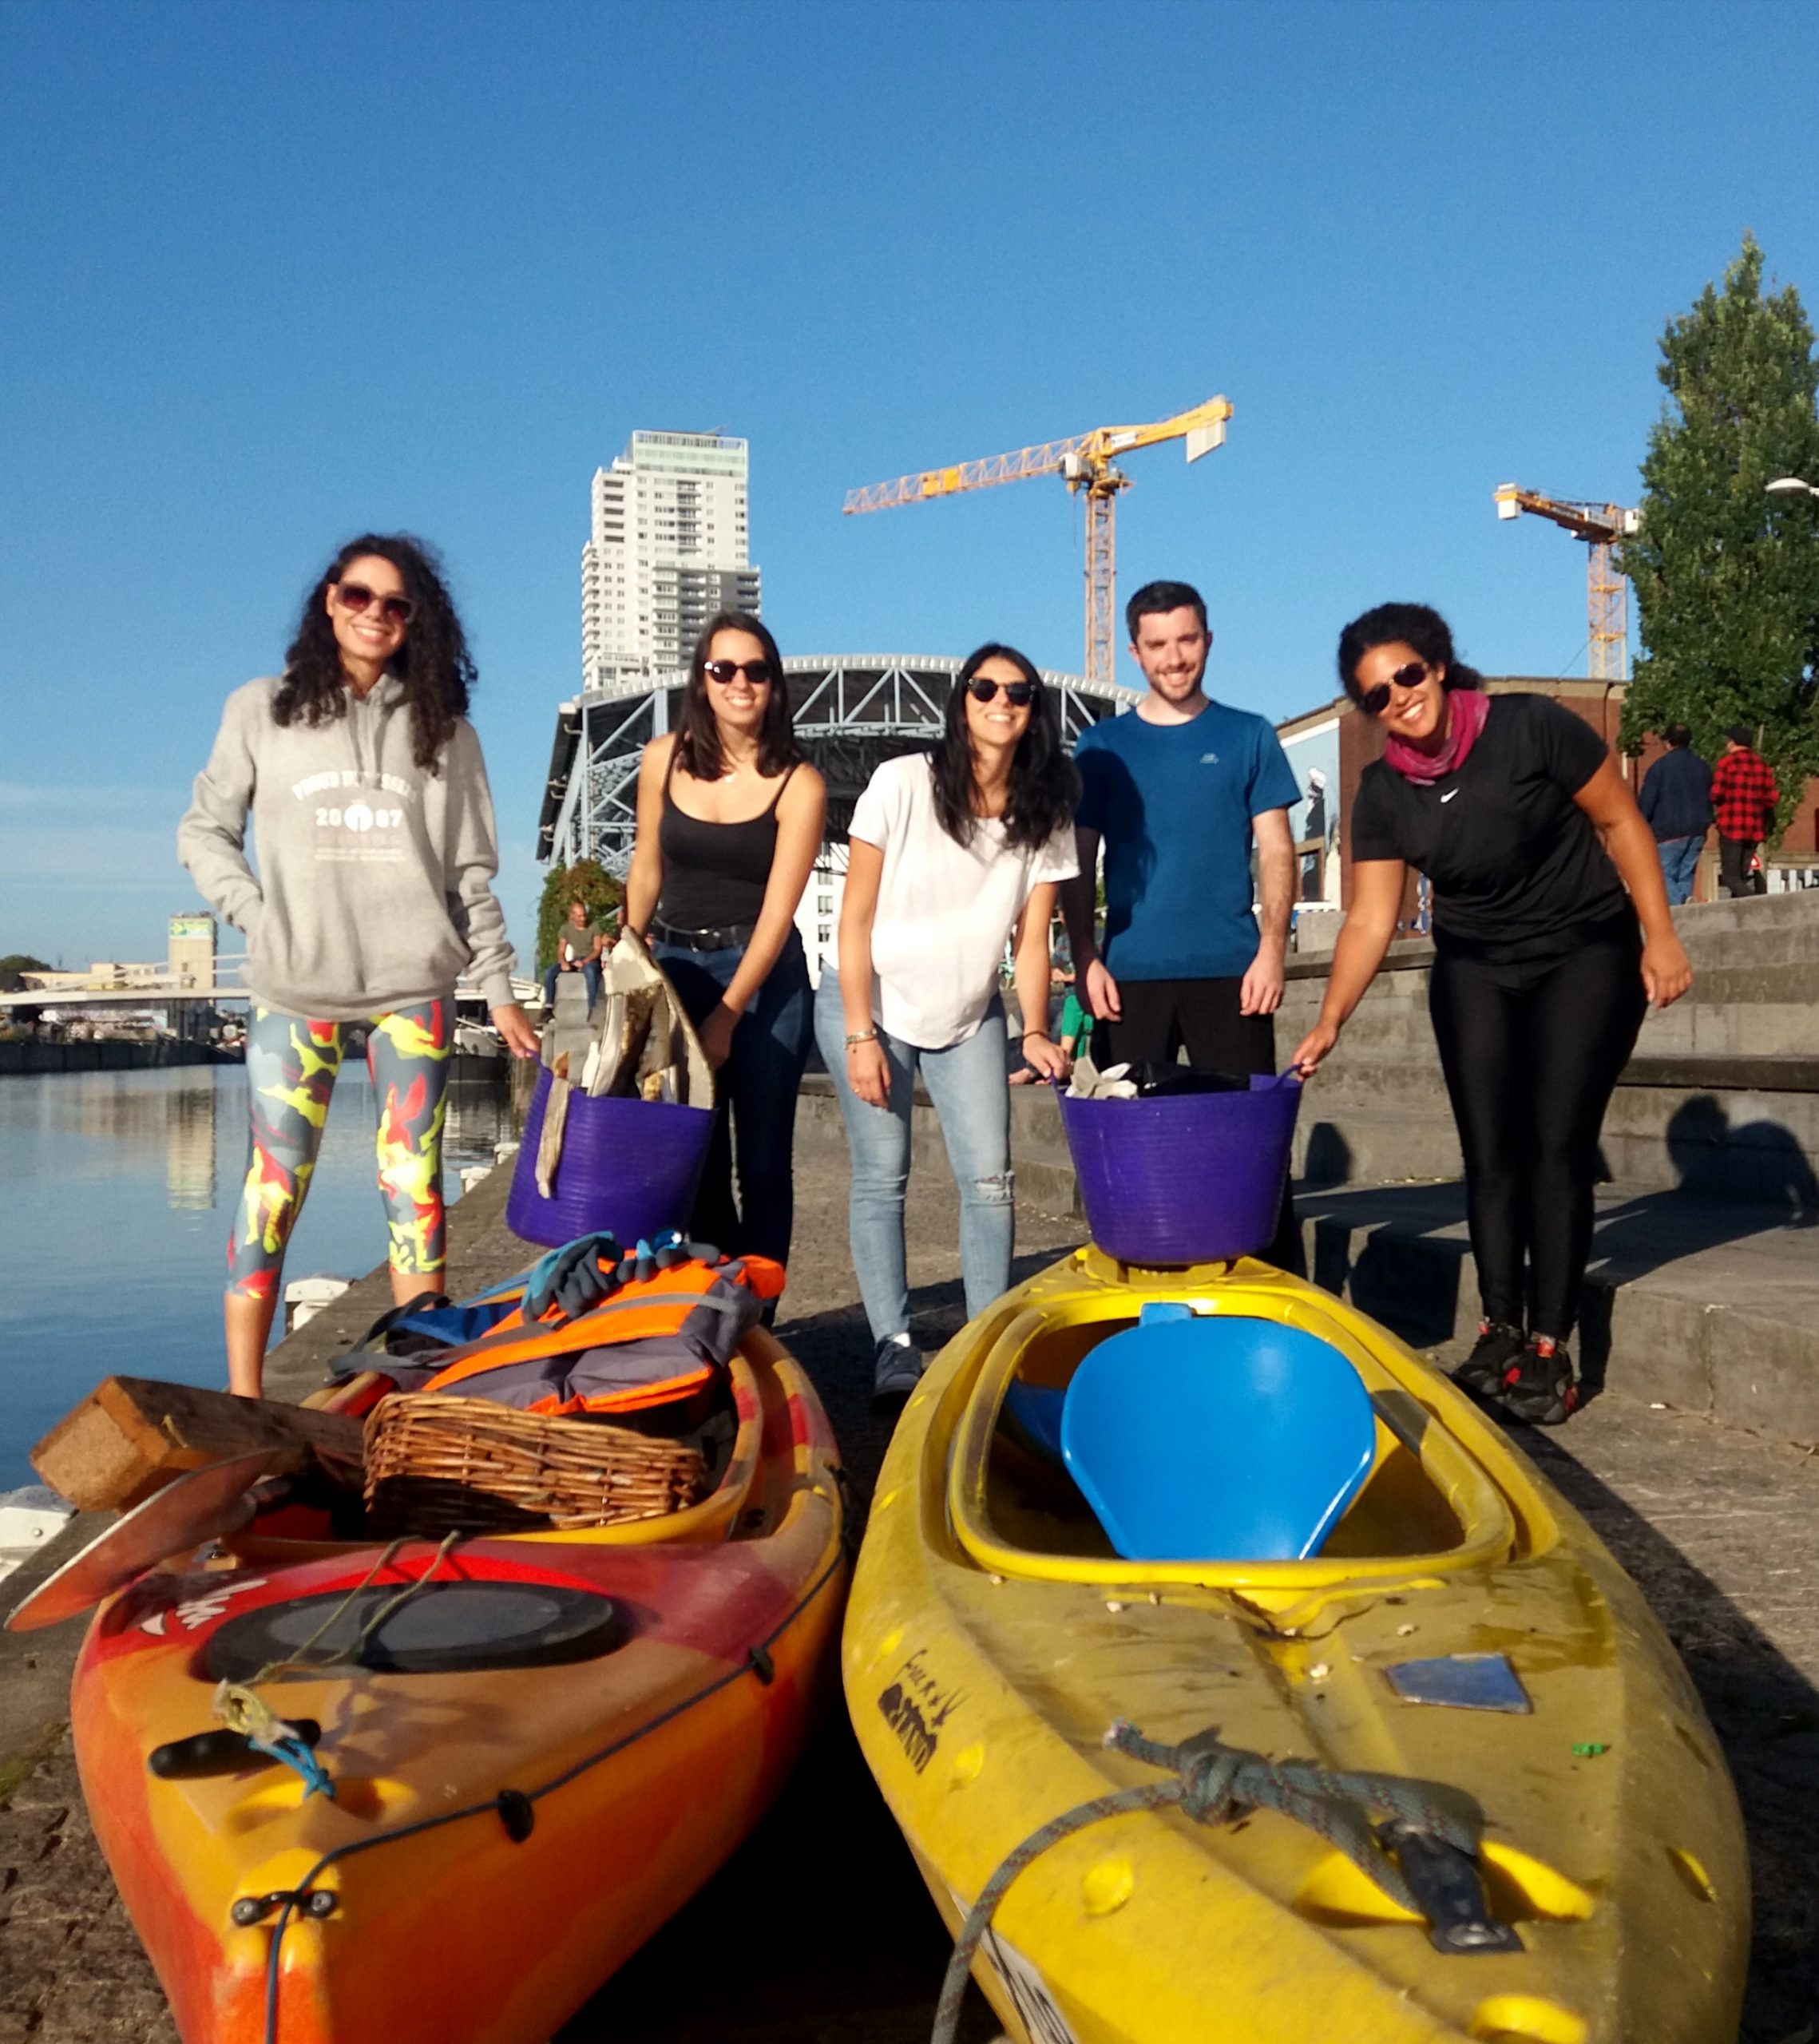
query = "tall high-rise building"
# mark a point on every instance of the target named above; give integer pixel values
(667, 550)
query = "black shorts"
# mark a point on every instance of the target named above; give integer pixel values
(1162, 1017)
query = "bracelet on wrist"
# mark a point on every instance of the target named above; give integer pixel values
(857, 1036)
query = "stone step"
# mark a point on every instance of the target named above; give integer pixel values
(1370, 1119)
(1708, 1305)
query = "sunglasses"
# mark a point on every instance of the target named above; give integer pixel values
(1017, 693)
(1375, 701)
(759, 673)
(357, 596)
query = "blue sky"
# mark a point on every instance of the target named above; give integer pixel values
(274, 274)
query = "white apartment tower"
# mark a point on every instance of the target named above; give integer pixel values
(669, 548)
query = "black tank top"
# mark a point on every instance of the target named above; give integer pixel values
(714, 874)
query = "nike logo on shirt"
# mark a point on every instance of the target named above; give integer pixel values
(1449, 794)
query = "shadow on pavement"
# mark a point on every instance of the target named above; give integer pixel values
(1766, 1715)
(819, 1930)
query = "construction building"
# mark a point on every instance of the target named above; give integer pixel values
(669, 546)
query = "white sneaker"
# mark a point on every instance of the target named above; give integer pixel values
(896, 1368)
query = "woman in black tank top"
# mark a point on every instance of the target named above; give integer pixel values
(730, 816)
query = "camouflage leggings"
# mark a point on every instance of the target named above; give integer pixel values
(292, 1066)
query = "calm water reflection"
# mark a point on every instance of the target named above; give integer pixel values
(116, 1193)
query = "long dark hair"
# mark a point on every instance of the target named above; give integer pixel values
(1044, 786)
(697, 738)
(434, 662)
(1417, 626)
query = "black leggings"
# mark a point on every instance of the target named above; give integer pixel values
(1531, 1055)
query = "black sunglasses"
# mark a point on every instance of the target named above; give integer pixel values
(759, 673)
(1017, 693)
(357, 596)
(1375, 701)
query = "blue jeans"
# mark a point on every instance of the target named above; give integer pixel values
(968, 1084)
(755, 1123)
(590, 972)
(1679, 862)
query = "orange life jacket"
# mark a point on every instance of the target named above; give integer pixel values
(685, 1320)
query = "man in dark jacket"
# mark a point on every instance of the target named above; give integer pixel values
(1676, 802)
(1744, 796)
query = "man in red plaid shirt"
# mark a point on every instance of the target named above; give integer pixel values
(1744, 796)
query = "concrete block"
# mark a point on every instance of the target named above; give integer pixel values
(1047, 1188)
(1765, 1373)
(1646, 1344)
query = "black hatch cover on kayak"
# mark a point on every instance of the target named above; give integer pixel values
(439, 1630)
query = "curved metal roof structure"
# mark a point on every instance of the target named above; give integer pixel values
(852, 711)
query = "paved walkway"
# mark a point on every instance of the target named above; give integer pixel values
(819, 1930)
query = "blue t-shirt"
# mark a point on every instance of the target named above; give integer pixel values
(1172, 804)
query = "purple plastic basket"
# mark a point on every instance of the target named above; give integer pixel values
(628, 1166)
(1190, 1177)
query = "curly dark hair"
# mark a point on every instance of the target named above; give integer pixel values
(698, 733)
(1043, 787)
(434, 662)
(1417, 626)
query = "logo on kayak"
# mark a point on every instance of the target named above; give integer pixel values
(1028, 1989)
(915, 1707)
(196, 1611)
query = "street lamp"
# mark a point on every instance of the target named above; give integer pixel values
(1788, 485)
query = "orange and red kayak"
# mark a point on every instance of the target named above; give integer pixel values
(564, 1736)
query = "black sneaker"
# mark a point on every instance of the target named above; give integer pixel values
(1540, 1388)
(1498, 1345)
(896, 1368)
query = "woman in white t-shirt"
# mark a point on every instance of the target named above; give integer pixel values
(951, 853)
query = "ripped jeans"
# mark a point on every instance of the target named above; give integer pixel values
(968, 1085)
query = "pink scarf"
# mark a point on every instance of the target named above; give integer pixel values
(1468, 709)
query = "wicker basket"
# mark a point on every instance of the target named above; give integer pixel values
(438, 1465)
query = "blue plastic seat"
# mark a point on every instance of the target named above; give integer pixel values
(1206, 1438)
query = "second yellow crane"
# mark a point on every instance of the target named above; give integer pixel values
(1607, 588)
(1086, 464)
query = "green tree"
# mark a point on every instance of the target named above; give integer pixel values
(13, 965)
(589, 879)
(1726, 577)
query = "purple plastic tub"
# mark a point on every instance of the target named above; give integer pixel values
(1191, 1178)
(629, 1166)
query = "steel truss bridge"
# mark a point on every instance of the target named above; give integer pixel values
(852, 713)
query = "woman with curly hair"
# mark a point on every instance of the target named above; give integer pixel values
(368, 795)
(1552, 937)
(950, 853)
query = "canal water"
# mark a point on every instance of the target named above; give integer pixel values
(116, 1190)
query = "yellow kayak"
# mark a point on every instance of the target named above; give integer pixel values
(1459, 1678)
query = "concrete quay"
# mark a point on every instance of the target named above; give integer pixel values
(819, 1930)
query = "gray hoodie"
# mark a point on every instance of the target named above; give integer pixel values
(374, 888)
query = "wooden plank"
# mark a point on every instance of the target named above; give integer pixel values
(131, 1436)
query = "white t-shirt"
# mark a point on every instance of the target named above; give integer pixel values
(944, 910)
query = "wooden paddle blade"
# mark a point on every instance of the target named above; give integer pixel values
(199, 1506)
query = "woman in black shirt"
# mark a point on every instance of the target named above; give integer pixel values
(729, 824)
(1515, 810)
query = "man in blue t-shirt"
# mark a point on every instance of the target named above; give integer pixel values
(1178, 791)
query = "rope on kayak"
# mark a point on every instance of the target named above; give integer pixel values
(511, 1806)
(1214, 1783)
(241, 1709)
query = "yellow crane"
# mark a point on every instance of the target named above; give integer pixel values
(1086, 464)
(1606, 588)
